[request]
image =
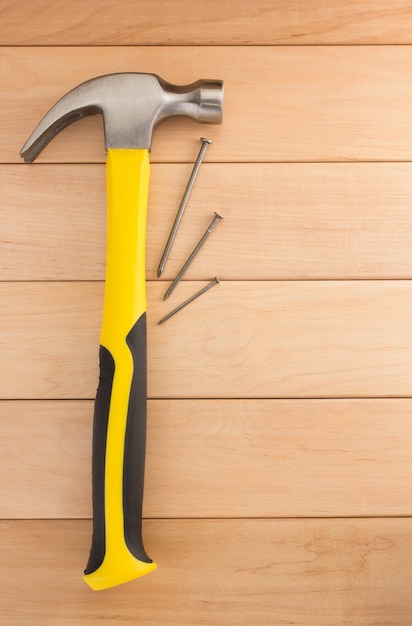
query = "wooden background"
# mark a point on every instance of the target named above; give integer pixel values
(279, 464)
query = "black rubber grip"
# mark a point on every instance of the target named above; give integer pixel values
(135, 443)
(100, 423)
(134, 449)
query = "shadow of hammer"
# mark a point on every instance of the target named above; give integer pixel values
(132, 105)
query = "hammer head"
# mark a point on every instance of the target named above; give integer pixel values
(132, 104)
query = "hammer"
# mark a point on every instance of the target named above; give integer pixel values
(132, 105)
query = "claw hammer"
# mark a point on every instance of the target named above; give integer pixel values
(132, 105)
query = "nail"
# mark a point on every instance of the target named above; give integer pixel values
(215, 281)
(183, 203)
(195, 252)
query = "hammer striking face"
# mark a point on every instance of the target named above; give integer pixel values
(132, 105)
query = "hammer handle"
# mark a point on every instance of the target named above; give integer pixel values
(119, 429)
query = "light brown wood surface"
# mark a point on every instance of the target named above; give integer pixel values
(247, 458)
(182, 22)
(278, 475)
(292, 103)
(304, 572)
(241, 340)
(285, 221)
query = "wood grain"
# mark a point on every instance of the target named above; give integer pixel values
(219, 458)
(311, 170)
(241, 340)
(264, 572)
(321, 103)
(282, 221)
(237, 22)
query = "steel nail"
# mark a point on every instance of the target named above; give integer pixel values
(193, 254)
(215, 281)
(183, 203)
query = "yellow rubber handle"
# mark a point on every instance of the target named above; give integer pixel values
(117, 554)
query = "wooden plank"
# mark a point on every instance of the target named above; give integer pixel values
(263, 572)
(219, 458)
(237, 22)
(241, 340)
(282, 221)
(321, 103)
